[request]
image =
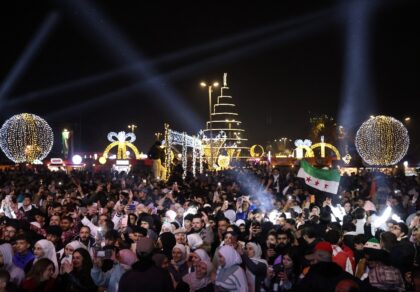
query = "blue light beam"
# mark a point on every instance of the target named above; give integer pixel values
(28, 54)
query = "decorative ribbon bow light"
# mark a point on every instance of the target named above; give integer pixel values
(122, 140)
(303, 144)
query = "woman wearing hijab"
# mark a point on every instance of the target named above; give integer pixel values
(195, 257)
(199, 280)
(66, 253)
(6, 263)
(255, 267)
(45, 249)
(178, 266)
(230, 276)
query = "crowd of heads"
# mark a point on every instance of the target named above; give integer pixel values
(252, 228)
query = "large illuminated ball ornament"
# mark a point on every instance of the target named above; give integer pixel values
(382, 141)
(25, 138)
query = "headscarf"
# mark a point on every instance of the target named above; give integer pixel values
(49, 252)
(231, 256)
(197, 284)
(258, 252)
(256, 259)
(7, 252)
(16, 274)
(184, 254)
(167, 227)
(232, 262)
(202, 254)
(74, 245)
(194, 241)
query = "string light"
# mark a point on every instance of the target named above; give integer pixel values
(25, 138)
(382, 141)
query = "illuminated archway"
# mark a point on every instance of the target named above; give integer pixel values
(186, 141)
(324, 145)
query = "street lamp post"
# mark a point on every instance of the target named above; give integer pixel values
(210, 88)
(132, 127)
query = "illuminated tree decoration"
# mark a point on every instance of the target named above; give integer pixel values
(25, 138)
(382, 141)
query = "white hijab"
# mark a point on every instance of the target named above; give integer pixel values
(257, 253)
(74, 245)
(49, 252)
(202, 254)
(231, 256)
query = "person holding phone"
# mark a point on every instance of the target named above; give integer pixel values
(283, 274)
(255, 266)
(110, 279)
(75, 276)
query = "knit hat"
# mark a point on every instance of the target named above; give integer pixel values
(325, 246)
(372, 243)
(373, 249)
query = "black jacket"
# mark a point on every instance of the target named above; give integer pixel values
(145, 277)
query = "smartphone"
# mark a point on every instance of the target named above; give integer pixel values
(278, 268)
(104, 254)
(131, 208)
(312, 199)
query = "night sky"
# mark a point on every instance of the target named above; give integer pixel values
(285, 62)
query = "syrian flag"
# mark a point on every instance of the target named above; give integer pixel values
(321, 179)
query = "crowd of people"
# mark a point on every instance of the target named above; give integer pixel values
(253, 228)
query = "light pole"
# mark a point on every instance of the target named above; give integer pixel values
(210, 88)
(132, 127)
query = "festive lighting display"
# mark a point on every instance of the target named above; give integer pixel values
(25, 138)
(122, 141)
(382, 140)
(223, 161)
(324, 145)
(256, 153)
(76, 159)
(224, 118)
(300, 145)
(173, 138)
